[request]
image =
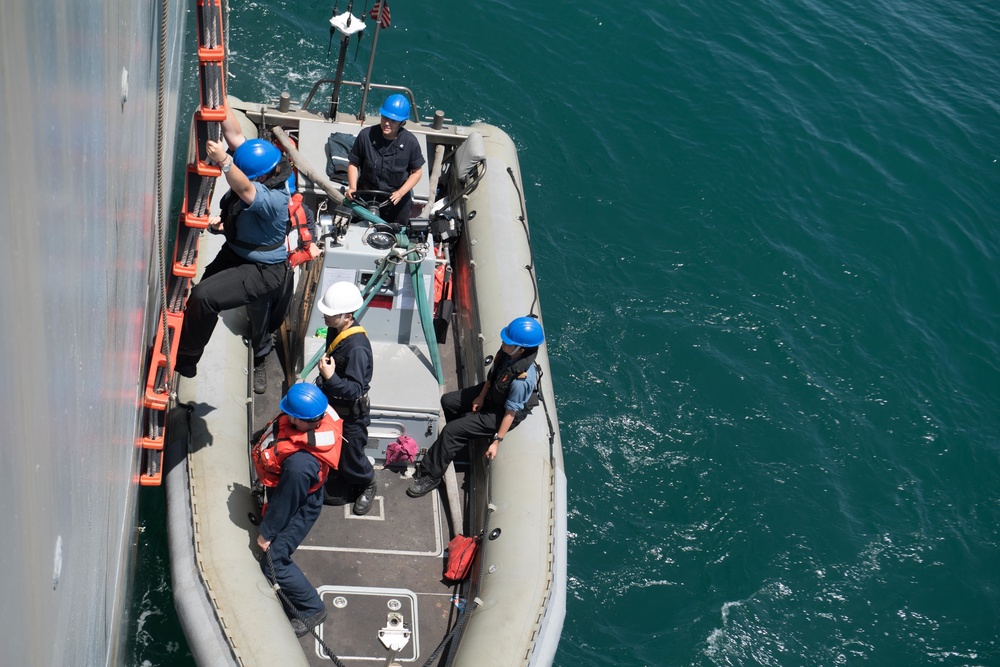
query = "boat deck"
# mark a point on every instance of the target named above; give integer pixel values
(367, 568)
(389, 564)
(383, 572)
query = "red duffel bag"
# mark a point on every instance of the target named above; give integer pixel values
(461, 552)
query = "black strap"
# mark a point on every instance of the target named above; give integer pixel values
(243, 244)
(250, 246)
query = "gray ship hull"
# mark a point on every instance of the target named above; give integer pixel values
(78, 104)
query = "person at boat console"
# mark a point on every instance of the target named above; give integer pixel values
(490, 409)
(387, 158)
(345, 374)
(293, 456)
(253, 263)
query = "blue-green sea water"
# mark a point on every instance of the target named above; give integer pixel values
(767, 245)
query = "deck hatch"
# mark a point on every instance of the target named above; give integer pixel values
(357, 617)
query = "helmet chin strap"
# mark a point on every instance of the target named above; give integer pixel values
(339, 320)
(277, 176)
(304, 425)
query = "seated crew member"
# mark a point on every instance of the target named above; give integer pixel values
(253, 263)
(345, 374)
(490, 409)
(293, 457)
(388, 158)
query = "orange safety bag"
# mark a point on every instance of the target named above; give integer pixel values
(461, 552)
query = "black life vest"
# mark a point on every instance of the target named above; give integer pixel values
(339, 349)
(501, 378)
(232, 206)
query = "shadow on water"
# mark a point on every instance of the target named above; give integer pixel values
(152, 616)
(155, 635)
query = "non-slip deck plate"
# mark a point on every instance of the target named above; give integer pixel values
(391, 560)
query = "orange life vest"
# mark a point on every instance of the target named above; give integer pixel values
(442, 287)
(299, 239)
(280, 440)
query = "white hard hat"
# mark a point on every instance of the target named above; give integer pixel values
(340, 298)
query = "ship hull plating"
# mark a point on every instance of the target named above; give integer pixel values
(78, 104)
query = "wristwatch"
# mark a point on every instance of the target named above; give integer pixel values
(227, 165)
(496, 436)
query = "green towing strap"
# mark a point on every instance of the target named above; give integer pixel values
(375, 284)
(426, 319)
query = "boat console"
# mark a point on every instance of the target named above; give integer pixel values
(404, 390)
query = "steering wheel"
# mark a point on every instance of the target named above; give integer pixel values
(373, 200)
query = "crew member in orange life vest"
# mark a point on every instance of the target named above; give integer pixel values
(293, 458)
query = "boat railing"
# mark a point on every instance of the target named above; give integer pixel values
(414, 115)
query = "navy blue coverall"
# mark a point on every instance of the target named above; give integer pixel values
(291, 512)
(385, 164)
(344, 390)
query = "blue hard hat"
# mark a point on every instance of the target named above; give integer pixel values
(304, 401)
(396, 107)
(257, 157)
(523, 332)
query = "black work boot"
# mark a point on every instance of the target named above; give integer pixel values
(305, 626)
(337, 492)
(422, 485)
(363, 504)
(260, 375)
(186, 366)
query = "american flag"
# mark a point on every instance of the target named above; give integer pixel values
(380, 13)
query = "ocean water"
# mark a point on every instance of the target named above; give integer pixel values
(767, 245)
